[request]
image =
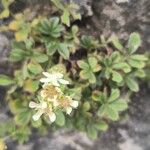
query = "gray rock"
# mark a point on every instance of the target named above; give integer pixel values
(122, 19)
(4, 47)
(64, 140)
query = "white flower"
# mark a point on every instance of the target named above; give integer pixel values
(73, 104)
(54, 78)
(68, 110)
(50, 91)
(42, 108)
(54, 101)
(67, 104)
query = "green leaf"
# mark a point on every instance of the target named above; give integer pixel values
(102, 110)
(88, 42)
(34, 68)
(17, 55)
(24, 72)
(36, 124)
(29, 44)
(101, 125)
(114, 39)
(58, 4)
(64, 51)
(112, 113)
(18, 45)
(94, 64)
(119, 105)
(115, 93)
(86, 106)
(60, 118)
(92, 78)
(134, 42)
(51, 48)
(65, 18)
(139, 57)
(116, 77)
(39, 57)
(136, 63)
(92, 132)
(23, 118)
(114, 58)
(87, 74)
(122, 66)
(84, 74)
(51, 28)
(82, 64)
(4, 14)
(92, 61)
(15, 106)
(58, 68)
(140, 73)
(31, 86)
(5, 80)
(108, 112)
(132, 84)
(22, 134)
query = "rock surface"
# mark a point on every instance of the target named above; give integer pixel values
(122, 19)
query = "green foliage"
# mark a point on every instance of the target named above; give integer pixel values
(51, 28)
(50, 31)
(112, 106)
(60, 118)
(5, 13)
(68, 10)
(134, 42)
(89, 68)
(5, 80)
(88, 42)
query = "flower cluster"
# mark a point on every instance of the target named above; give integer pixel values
(52, 98)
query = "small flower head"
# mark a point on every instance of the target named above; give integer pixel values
(67, 104)
(42, 108)
(50, 91)
(52, 98)
(54, 78)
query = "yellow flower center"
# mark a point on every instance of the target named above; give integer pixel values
(49, 91)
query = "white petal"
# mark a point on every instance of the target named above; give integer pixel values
(43, 105)
(47, 74)
(74, 104)
(68, 110)
(55, 103)
(62, 81)
(42, 93)
(45, 84)
(37, 115)
(33, 104)
(45, 80)
(58, 89)
(55, 83)
(52, 117)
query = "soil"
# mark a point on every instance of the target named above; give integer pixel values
(132, 133)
